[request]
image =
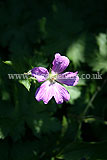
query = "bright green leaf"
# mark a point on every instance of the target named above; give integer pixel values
(8, 62)
(26, 83)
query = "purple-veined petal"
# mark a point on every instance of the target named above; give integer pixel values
(60, 63)
(44, 92)
(68, 78)
(47, 90)
(60, 93)
(40, 73)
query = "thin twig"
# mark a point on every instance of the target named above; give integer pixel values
(94, 96)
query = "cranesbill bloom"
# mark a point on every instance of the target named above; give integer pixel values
(51, 88)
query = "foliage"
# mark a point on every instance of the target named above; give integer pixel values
(30, 33)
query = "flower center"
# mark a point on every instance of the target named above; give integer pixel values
(52, 77)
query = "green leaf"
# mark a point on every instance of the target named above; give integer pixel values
(8, 62)
(81, 82)
(24, 150)
(99, 61)
(26, 83)
(1, 134)
(74, 93)
(13, 127)
(102, 43)
(89, 151)
(43, 123)
(76, 52)
(64, 125)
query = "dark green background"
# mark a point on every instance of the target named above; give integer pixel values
(31, 32)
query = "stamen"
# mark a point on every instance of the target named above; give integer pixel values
(52, 77)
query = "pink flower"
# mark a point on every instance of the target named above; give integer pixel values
(51, 88)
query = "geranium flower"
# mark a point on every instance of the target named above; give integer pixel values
(51, 88)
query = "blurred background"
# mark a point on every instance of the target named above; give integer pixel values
(31, 32)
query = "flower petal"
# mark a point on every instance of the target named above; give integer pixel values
(40, 73)
(68, 78)
(44, 92)
(47, 90)
(60, 93)
(60, 63)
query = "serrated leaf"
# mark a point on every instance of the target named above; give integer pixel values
(76, 52)
(99, 61)
(102, 43)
